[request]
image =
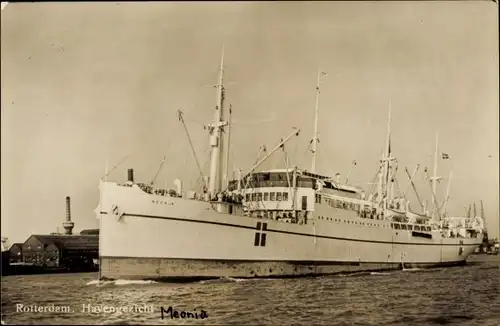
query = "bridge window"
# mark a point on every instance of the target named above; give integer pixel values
(259, 196)
(397, 226)
(403, 226)
(285, 196)
(429, 228)
(417, 228)
(273, 194)
(278, 196)
(266, 196)
(254, 197)
(265, 177)
(247, 197)
(410, 227)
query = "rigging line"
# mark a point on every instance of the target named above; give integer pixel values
(130, 154)
(261, 149)
(415, 189)
(199, 183)
(307, 149)
(251, 203)
(287, 175)
(190, 142)
(196, 181)
(119, 163)
(191, 119)
(295, 153)
(434, 197)
(158, 171)
(397, 188)
(162, 161)
(372, 189)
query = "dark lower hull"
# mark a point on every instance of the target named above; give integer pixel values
(182, 270)
(34, 270)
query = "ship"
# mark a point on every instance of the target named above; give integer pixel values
(287, 222)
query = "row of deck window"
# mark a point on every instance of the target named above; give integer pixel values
(267, 196)
(410, 227)
(351, 222)
(336, 203)
(396, 226)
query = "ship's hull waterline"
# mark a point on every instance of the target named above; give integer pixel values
(162, 269)
(144, 236)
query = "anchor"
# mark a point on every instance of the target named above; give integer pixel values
(116, 212)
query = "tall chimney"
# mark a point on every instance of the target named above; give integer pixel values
(68, 209)
(130, 175)
(68, 224)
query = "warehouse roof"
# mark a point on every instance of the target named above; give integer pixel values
(90, 232)
(17, 244)
(74, 242)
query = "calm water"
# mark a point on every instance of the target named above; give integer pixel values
(468, 295)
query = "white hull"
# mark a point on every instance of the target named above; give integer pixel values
(155, 237)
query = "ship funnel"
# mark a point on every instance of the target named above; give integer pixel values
(178, 186)
(130, 175)
(68, 224)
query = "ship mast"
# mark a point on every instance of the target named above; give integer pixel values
(226, 165)
(315, 139)
(484, 219)
(447, 196)
(386, 158)
(435, 178)
(215, 131)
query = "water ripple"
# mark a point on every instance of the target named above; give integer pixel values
(468, 295)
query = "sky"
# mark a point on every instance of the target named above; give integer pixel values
(90, 85)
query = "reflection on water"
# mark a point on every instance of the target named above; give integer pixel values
(468, 295)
